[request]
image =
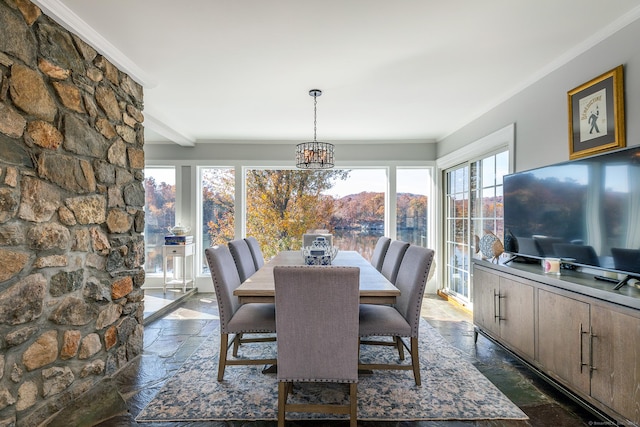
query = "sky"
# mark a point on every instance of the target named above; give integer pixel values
(374, 180)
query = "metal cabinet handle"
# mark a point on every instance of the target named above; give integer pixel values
(591, 337)
(497, 316)
(582, 332)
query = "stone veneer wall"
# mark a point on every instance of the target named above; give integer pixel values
(71, 216)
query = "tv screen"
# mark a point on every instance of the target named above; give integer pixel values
(586, 211)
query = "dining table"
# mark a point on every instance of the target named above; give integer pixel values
(374, 287)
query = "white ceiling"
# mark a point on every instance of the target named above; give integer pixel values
(389, 70)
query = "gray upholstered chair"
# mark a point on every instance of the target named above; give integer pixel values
(236, 318)
(256, 252)
(379, 252)
(403, 318)
(317, 321)
(392, 259)
(243, 259)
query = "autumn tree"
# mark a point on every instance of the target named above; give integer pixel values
(283, 204)
(218, 204)
(159, 204)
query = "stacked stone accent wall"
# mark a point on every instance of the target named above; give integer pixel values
(71, 216)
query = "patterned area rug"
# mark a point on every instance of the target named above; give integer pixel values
(452, 389)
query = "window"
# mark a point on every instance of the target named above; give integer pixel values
(277, 206)
(412, 187)
(282, 205)
(218, 208)
(160, 213)
(487, 209)
(457, 248)
(473, 205)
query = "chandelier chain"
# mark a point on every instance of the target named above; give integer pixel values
(315, 116)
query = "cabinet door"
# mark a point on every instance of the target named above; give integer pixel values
(616, 359)
(562, 348)
(517, 316)
(485, 290)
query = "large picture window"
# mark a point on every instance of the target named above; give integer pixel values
(284, 204)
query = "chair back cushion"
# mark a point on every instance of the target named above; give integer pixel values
(412, 280)
(392, 260)
(379, 252)
(256, 252)
(317, 322)
(225, 280)
(242, 257)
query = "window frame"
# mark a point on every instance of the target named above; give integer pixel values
(498, 141)
(189, 198)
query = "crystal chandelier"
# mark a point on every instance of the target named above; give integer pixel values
(314, 154)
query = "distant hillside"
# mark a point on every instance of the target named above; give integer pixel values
(366, 210)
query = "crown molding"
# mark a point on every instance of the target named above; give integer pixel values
(72, 22)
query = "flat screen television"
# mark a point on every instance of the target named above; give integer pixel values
(585, 211)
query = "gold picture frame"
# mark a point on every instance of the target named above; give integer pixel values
(596, 115)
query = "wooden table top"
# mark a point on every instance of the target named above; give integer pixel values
(374, 287)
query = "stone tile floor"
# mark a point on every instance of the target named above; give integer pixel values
(169, 340)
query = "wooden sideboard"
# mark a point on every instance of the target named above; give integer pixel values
(576, 331)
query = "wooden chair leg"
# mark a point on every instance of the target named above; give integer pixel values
(236, 344)
(415, 360)
(353, 400)
(400, 347)
(224, 342)
(282, 401)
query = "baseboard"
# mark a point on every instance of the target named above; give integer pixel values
(455, 301)
(169, 307)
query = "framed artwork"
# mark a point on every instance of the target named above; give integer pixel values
(596, 115)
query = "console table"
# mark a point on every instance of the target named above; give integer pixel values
(184, 252)
(574, 330)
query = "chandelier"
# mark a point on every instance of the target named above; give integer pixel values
(314, 154)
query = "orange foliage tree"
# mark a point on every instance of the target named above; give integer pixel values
(283, 204)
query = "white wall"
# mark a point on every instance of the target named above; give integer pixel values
(540, 111)
(349, 154)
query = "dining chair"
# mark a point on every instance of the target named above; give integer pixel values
(403, 318)
(317, 322)
(235, 318)
(392, 259)
(379, 252)
(256, 252)
(242, 258)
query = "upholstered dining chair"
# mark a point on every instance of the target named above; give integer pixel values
(392, 259)
(403, 318)
(242, 257)
(256, 252)
(235, 318)
(317, 322)
(380, 250)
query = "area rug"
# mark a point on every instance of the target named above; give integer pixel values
(452, 388)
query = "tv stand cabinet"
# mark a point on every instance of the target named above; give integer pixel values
(576, 331)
